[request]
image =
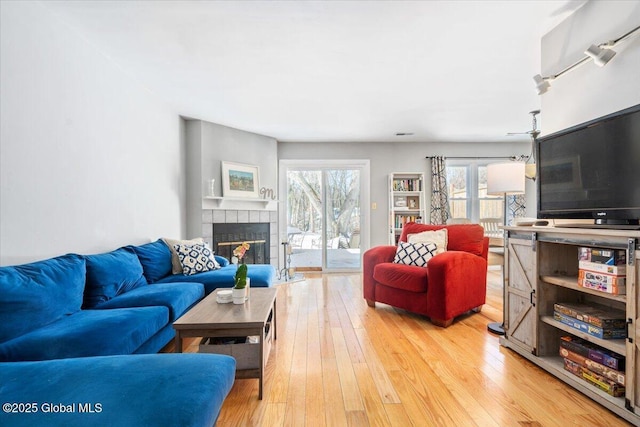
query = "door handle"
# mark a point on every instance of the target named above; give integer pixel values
(532, 298)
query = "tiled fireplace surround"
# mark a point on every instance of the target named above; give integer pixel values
(235, 216)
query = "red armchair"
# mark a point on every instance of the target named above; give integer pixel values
(451, 284)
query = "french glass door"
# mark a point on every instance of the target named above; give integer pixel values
(324, 218)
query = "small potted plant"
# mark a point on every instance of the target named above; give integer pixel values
(241, 281)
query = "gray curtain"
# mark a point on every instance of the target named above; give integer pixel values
(440, 212)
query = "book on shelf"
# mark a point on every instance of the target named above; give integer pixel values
(608, 386)
(595, 314)
(593, 366)
(594, 331)
(407, 184)
(594, 352)
(401, 220)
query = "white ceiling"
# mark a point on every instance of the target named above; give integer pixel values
(450, 71)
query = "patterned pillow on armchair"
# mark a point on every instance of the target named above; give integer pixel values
(417, 254)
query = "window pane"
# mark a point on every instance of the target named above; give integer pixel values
(457, 181)
(458, 208)
(492, 208)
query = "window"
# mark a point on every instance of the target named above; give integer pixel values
(468, 196)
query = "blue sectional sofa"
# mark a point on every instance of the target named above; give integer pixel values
(74, 329)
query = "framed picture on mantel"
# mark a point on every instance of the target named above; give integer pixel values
(240, 180)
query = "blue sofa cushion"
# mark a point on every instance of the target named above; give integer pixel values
(261, 275)
(88, 333)
(155, 258)
(178, 297)
(34, 295)
(111, 274)
(143, 390)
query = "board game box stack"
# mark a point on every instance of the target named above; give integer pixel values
(602, 269)
(593, 319)
(600, 367)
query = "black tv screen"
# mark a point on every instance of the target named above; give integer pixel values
(592, 170)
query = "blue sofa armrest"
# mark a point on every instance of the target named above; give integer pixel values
(133, 390)
(221, 260)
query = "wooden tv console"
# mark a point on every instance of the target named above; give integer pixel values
(542, 269)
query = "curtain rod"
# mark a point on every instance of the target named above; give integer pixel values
(479, 157)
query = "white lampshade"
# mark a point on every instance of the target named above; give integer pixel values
(505, 178)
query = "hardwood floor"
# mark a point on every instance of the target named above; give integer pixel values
(338, 362)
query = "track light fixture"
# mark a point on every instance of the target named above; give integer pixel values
(601, 55)
(542, 84)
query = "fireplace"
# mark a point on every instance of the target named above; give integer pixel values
(227, 236)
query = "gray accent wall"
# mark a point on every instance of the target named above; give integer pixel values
(208, 144)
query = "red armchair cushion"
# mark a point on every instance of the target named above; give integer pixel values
(401, 276)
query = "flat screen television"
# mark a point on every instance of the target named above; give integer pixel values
(592, 170)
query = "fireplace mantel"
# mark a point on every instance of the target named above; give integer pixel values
(221, 201)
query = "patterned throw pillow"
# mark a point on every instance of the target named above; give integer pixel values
(417, 254)
(195, 258)
(176, 267)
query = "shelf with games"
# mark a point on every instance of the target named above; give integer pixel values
(406, 201)
(549, 299)
(615, 345)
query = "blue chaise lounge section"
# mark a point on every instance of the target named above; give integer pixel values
(125, 391)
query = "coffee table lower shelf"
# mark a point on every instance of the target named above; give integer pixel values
(247, 355)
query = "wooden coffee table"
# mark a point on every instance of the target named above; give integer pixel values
(256, 317)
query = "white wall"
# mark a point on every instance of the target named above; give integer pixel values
(589, 91)
(395, 157)
(89, 159)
